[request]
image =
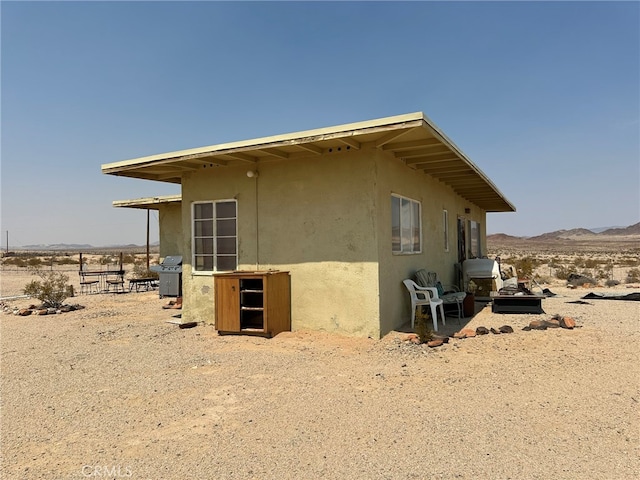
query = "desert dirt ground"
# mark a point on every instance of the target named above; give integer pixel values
(115, 391)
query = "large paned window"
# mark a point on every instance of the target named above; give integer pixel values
(215, 236)
(406, 225)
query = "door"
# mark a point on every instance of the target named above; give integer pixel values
(462, 240)
(227, 304)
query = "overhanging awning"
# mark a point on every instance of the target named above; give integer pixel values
(411, 138)
(148, 203)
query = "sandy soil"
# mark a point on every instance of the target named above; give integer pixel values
(115, 391)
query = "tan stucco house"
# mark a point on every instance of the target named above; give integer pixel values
(350, 211)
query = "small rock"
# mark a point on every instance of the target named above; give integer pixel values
(460, 334)
(482, 331)
(435, 343)
(438, 337)
(42, 311)
(567, 322)
(51, 311)
(537, 325)
(506, 329)
(494, 331)
(23, 312)
(469, 332)
(553, 323)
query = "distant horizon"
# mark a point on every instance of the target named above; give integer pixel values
(79, 246)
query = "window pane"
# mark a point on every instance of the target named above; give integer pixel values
(204, 263)
(226, 210)
(203, 245)
(226, 263)
(203, 228)
(203, 210)
(415, 220)
(395, 224)
(405, 225)
(226, 228)
(226, 246)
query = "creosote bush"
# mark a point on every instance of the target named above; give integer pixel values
(52, 289)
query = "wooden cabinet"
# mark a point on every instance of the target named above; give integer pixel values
(253, 302)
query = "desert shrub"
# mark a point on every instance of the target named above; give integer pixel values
(423, 331)
(140, 271)
(105, 260)
(562, 272)
(34, 262)
(17, 261)
(67, 261)
(591, 263)
(633, 275)
(525, 266)
(129, 258)
(52, 289)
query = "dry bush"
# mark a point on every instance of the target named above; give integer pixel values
(52, 289)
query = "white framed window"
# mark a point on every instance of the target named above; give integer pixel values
(406, 225)
(445, 229)
(214, 243)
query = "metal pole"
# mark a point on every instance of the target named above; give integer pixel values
(147, 239)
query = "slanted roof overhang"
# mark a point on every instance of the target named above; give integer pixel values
(148, 203)
(411, 138)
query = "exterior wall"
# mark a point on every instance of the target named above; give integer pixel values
(395, 177)
(315, 218)
(170, 220)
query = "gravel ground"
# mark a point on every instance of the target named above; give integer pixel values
(114, 391)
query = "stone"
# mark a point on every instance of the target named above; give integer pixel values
(42, 311)
(459, 335)
(438, 337)
(506, 329)
(567, 322)
(494, 331)
(537, 325)
(23, 312)
(553, 323)
(410, 337)
(52, 311)
(482, 331)
(435, 343)
(469, 332)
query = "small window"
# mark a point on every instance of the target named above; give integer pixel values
(445, 229)
(215, 236)
(406, 226)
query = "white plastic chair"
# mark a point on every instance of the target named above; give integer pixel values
(452, 297)
(424, 296)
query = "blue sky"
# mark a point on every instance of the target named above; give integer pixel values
(542, 96)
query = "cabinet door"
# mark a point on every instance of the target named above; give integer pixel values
(227, 304)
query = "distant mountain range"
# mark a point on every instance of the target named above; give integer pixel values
(611, 233)
(79, 246)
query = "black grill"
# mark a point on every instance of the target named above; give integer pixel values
(170, 272)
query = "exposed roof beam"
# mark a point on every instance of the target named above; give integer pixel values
(350, 141)
(429, 142)
(309, 147)
(241, 156)
(426, 160)
(274, 152)
(425, 153)
(391, 136)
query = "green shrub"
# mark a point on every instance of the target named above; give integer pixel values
(633, 275)
(52, 289)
